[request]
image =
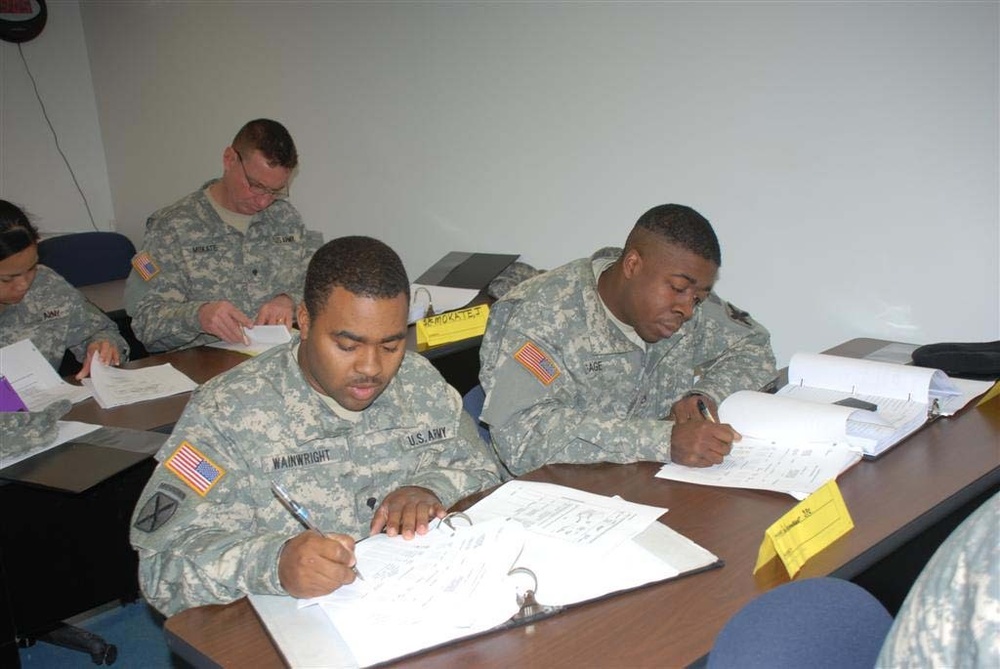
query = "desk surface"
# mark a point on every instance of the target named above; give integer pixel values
(891, 499)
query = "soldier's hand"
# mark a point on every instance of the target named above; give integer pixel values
(701, 443)
(107, 352)
(407, 511)
(311, 564)
(224, 320)
(686, 409)
(276, 311)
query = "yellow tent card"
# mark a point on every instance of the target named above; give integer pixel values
(452, 326)
(811, 525)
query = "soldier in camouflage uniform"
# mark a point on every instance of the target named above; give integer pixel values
(230, 255)
(364, 436)
(607, 358)
(38, 304)
(951, 617)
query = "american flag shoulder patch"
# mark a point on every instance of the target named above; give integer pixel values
(144, 265)
(537, 362)
(191, 466)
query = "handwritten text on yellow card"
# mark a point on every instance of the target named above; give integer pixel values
(811, 525)
(452, 326)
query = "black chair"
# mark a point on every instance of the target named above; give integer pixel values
(88, 258)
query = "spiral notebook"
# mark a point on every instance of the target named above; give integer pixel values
(527, 551)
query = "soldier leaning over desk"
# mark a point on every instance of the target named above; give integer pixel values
(343, 419)
(606, 358)
(38, 304)
(229, 255)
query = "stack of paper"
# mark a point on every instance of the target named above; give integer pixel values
(456, 581)
(114, 387)
(260, 338)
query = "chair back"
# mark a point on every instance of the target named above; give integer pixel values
(86, 258)
(473, 402)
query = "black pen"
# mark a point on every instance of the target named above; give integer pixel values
(704, 411)
(302, 515)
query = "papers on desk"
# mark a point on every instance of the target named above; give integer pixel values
(455, 581)
(811, 430)
(261, 338)
(114, 387)
(31, 375)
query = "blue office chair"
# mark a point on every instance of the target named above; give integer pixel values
(86, 258)
(472, 402)
(815, 623)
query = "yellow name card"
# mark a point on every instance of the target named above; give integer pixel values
(452, 326)
(990, 394)
(811, 525)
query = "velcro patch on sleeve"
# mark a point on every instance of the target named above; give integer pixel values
(536, 361)
(144, 265)
(191, 466)
(158, 509)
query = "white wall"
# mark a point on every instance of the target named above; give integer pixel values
(847, 153)
(32, 173)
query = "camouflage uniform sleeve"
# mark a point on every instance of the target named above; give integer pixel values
(738, 350)
(199, 549)
(465, 465)
(162, 316)
(22, 432)
(534, 424)
(88, 325)
(951, 617)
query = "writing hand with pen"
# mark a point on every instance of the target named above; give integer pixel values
(698, 439)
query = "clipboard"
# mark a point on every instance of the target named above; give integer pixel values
(307, 637)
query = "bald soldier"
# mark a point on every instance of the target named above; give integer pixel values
(367, 437)
(623, 356)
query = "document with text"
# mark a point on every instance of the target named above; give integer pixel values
(114, 387)
(34, 379)
(464, 577)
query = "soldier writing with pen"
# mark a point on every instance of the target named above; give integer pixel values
(365, 436)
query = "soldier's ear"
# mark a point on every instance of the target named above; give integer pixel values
(631, 263)
(303, 319)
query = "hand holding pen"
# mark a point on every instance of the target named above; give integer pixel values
(313, 563)
(697, 438)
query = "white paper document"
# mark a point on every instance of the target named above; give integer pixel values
(114, 387)
(261, 338)
(456, 581)
(788, 445)
(68, 430)
(31, 375)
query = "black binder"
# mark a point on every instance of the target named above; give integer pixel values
(462, 269)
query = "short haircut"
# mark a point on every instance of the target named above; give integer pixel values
(683, 226)
(362, 265)
(271, 139)
(16, 231)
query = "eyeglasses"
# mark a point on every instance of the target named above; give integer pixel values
(260, 189)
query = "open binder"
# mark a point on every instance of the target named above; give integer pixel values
(517, 556)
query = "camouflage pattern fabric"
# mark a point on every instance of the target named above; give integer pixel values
(55, 316)
(951, 617)
(207, 527)
(564, 384)
(22, 432)
(198, 258)
(515, 273)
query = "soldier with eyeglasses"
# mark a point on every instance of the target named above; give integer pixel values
(229, 256)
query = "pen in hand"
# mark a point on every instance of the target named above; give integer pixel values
(704, 411)
(302, 515)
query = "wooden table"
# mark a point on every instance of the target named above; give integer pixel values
(934, 472)
(201, 364)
